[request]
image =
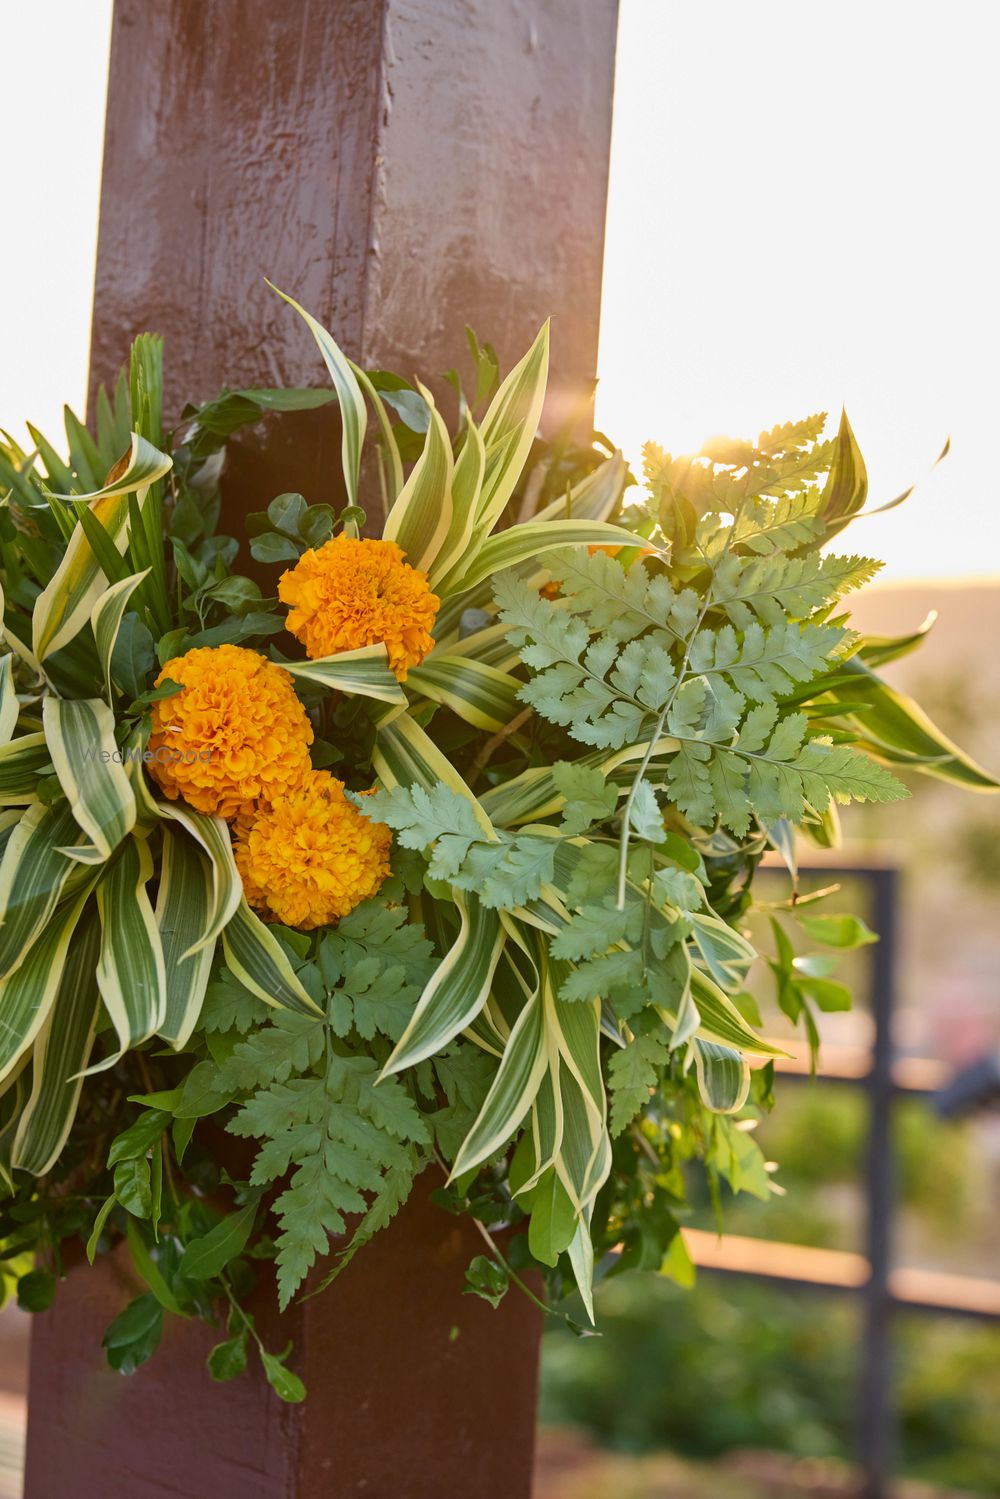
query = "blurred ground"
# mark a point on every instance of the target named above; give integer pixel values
(569, 1467)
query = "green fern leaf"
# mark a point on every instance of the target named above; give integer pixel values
(633, 1073)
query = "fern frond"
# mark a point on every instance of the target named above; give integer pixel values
(777, 587)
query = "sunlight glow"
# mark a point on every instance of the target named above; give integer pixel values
(802, 215)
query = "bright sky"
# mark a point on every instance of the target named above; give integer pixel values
(803, 213)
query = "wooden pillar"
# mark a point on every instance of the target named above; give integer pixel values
(403, 167)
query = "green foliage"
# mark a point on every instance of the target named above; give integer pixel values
(546, 1004)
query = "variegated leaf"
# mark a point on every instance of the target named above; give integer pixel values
(185, 903)
(65, 604)
(106, 617)
(255, 957)
(80, 734)
(353, 416)
(60, 1054)
(130, 971)
(458, 989)
(363, 673)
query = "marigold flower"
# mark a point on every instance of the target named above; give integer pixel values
(355, 592)
(234, 734)
(310, 857)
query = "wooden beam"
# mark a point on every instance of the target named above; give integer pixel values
(403, 167)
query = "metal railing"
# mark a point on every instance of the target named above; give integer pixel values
(884, 1288)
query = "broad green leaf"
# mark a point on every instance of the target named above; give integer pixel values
(363, 672)
(421, 518)
(553, 1222)
(843, 930)
(185, 903)
(458, 989)
(285, 1384)
(130, 970)
(140, 1136)
(255, 957)
(106, 618)
(150, 1271)
(205, 1257)
(60, 1054)
(80, 734)
(65, 604)
(95, 1234)
(134, 1335)
(229, 1359)
(353, 415)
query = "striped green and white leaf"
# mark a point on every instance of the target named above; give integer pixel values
(393, 474)
(594, 497)
(227, 887)
(481, 695)
(466, 486)
(34, 876)
(23, 761)
(80, 734)
(59, 1056)
(420, 521)
(255, 957)
(509, 428)
(723, 1077)
(185, 903)
(520, 544)
(522, 1067)
(9, 705)
(106, 617)
(16, 645)
(28, 993)
(65, 604)
(722, 1022)
(405, 755)
(363, 673)
(131, 974)
(584, 1158)
(353, 415)
(458, 989)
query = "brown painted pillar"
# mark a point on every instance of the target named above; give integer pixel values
(402, 167)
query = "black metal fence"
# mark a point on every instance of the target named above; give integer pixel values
(883, 1286)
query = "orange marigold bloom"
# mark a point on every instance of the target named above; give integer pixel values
(234, 734)
(310, 857)
(355, 592)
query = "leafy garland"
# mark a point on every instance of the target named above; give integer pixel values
(540, 1012)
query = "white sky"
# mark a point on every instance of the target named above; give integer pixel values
(803, 213)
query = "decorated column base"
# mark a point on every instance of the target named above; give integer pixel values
(415, 1389)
